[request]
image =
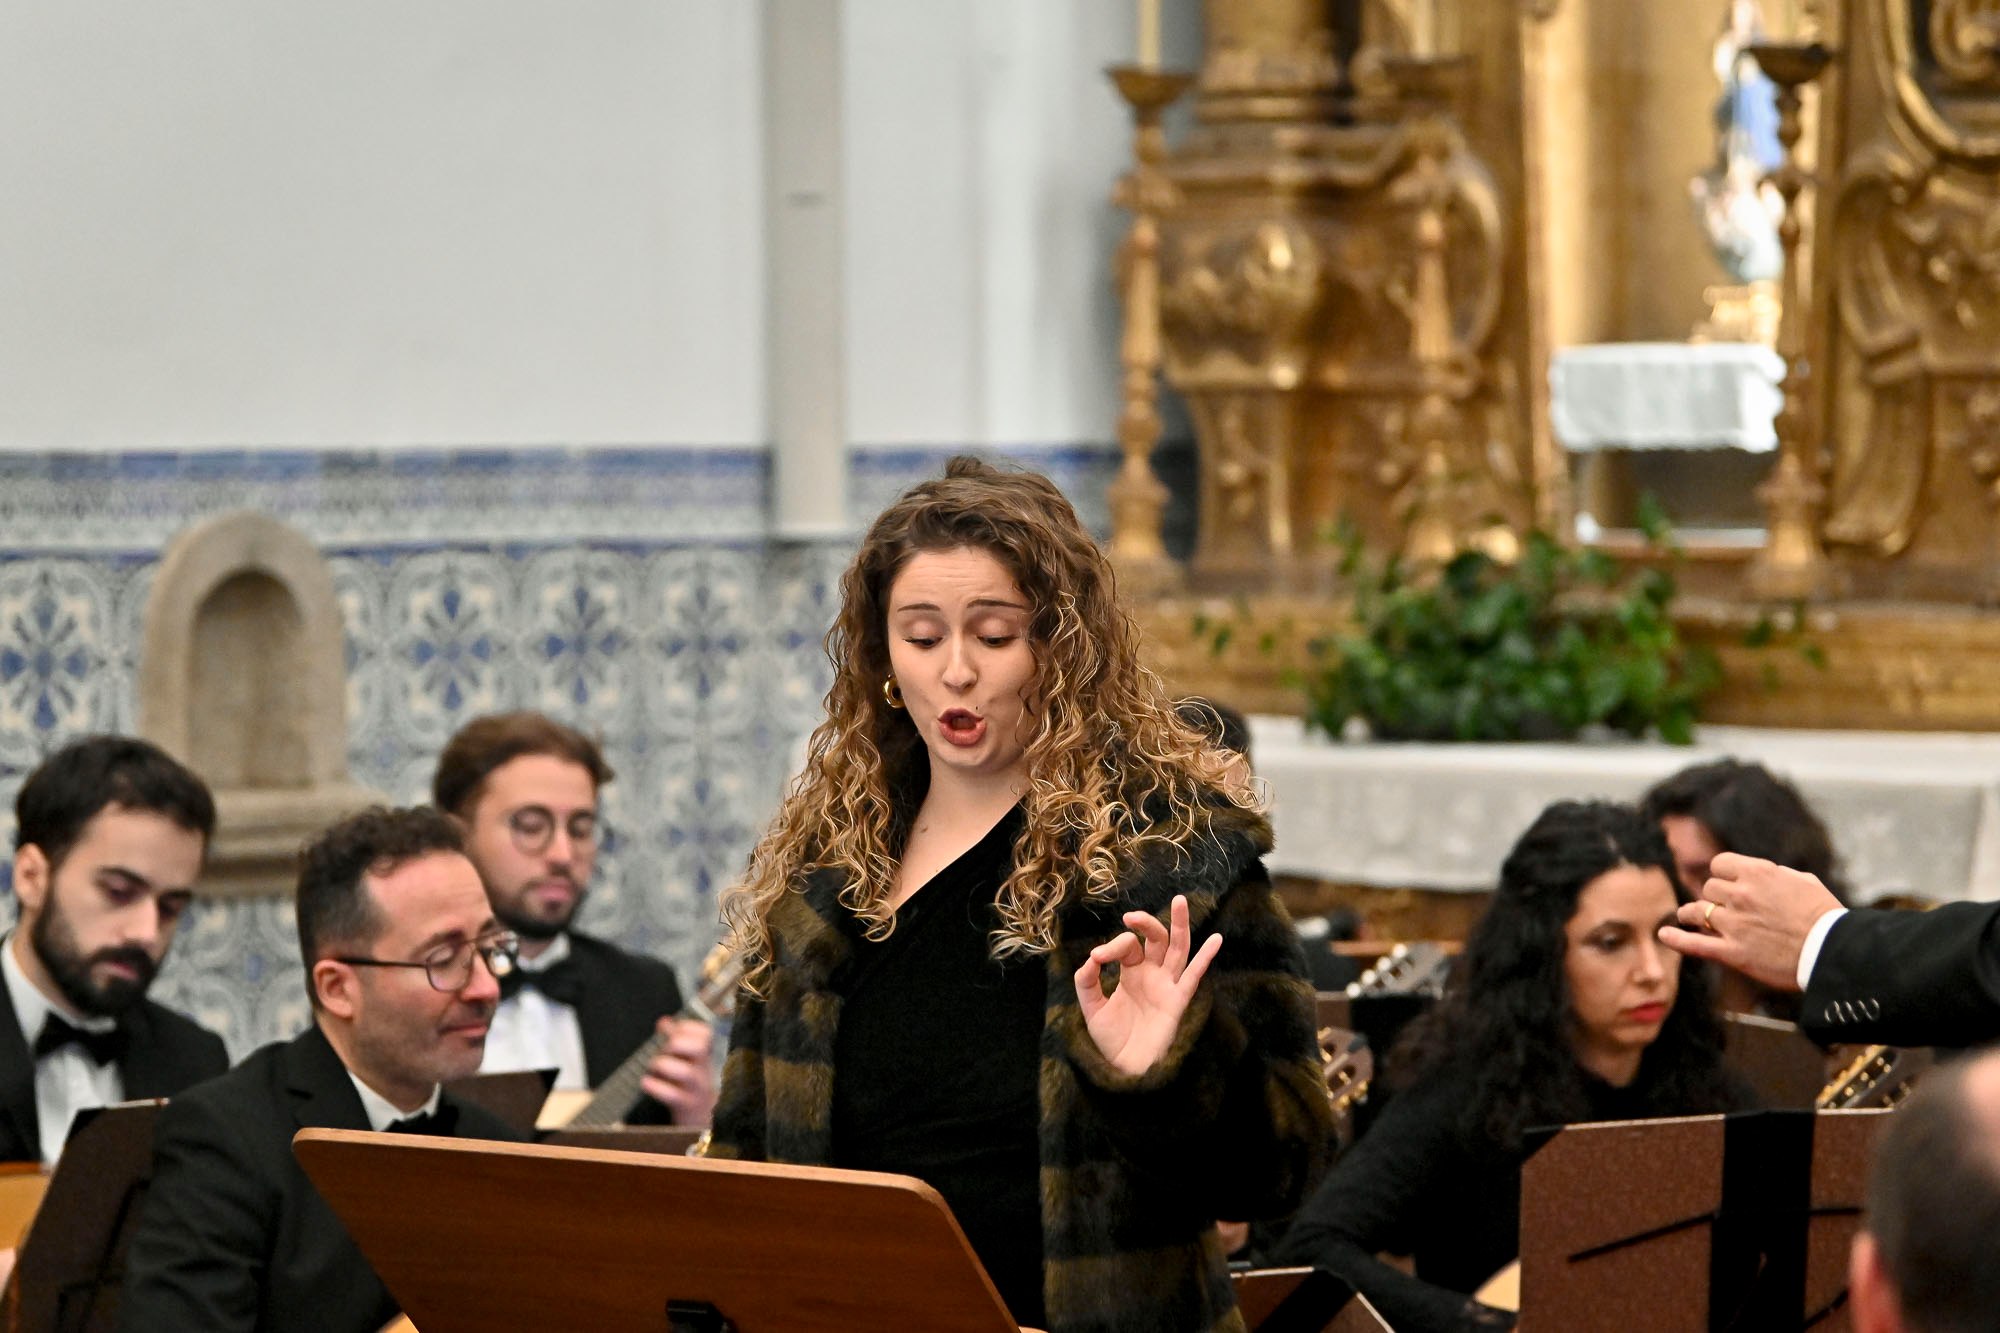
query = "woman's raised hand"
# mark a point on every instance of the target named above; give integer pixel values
(1134, 1025)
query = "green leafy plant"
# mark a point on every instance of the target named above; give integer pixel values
(1556, 641)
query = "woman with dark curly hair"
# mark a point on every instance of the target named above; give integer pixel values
(1565, 1007)
(1001, 806)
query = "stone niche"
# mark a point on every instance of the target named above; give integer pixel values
(243, 677)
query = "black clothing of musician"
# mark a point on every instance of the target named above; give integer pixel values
(946, 1090)
(1564, 1008)
(1418, 1184)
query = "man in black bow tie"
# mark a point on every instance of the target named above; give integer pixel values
(524, 787)
(110, 836)
(402, 960)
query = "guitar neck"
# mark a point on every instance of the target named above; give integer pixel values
(1418, 968)
(617, 1095)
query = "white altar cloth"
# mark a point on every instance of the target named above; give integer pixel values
(1909, 812)
(1666, 396)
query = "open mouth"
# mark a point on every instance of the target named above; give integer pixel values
(961, 726)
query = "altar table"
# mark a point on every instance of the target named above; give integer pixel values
(1666, 396)
(1909, 812)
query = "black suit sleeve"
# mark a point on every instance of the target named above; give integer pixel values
(1908, 978)
(198, 1257)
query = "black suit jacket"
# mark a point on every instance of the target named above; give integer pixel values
(233, 1236)
(1908, 978)
(167, 1054)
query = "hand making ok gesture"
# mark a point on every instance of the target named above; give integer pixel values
(1134, 1025)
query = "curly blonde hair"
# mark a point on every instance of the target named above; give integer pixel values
(1110, 767)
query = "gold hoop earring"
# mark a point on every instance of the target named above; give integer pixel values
(892, 694)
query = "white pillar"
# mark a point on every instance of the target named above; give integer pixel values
(807, 311)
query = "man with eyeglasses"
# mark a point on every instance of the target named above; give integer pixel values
(524, 787)
(402, 959)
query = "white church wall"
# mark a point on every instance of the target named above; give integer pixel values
(495, 222)
(470, 292)
(982, 144)
(365, 222)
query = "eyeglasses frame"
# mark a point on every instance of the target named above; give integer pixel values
(486, 947)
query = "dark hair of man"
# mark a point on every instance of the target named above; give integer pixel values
(72, 785)
(1218, 721)
(1939, 1254)
(334, 908)
(1505, 1017)
(1750, 810)
(485, 743)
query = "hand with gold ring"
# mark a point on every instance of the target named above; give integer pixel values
(1771, 911)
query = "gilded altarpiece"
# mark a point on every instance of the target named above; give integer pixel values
(1343, 299)
(1910, 278)
(1365, 228)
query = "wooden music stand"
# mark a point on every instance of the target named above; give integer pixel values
(1302, 1300)
(673, 1139)
(72, 1262)
(474, 1236)
(516, 1097)
(1730, 1206)
(1783, 1066)
(1843, 1147)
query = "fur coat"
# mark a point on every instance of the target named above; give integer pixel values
(1232, 1123)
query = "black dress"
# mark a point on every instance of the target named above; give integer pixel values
(937, 1065)
(1418, 1184)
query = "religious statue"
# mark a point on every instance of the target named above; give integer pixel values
(1735, 204)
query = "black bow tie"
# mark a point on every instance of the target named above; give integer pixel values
(560, 982)
(103, 1047)
(441, 1122)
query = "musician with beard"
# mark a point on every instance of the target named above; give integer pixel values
(402, 959)
(110, 838)
(524, 788)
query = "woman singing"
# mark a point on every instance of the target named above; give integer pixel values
(1000, 814)
(1566, 1007)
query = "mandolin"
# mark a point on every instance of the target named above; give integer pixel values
(1880, 1076)
(22, 1185)
(1347, 1065)
(1415, 971)
(607, 1105)
(1416, 968)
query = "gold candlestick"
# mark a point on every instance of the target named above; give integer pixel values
(1137, 497)
(1793, 562)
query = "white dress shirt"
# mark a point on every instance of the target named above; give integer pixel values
(1815, 941)
(66, 1080)
(531, 1031)
(382, 1112)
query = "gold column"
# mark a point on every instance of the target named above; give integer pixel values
(1137, 495)
(1793, 562)
(1438, 480)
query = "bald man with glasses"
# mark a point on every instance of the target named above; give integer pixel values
(403, 964)
(524, 788)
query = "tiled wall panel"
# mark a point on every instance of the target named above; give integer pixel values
(632, 592)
